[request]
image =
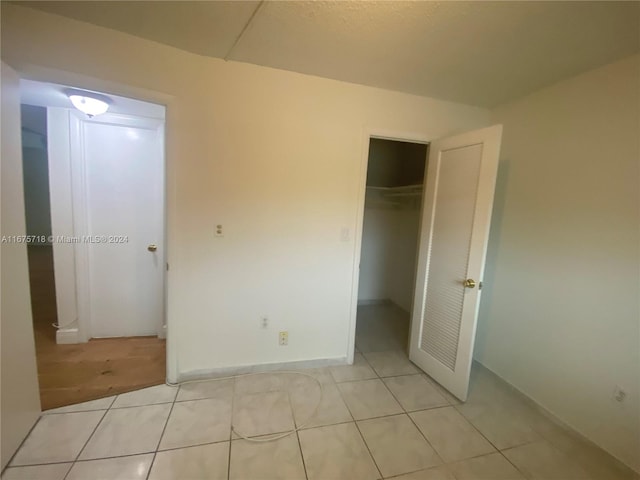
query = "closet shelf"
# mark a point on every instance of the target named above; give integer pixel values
(404, 197)
(403, 191)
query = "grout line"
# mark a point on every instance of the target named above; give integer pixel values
(145, 405)
(162, 434)
(416, 425)
(304, 464)
(23, 442)
(368, 449)
(50, 412)
(233, 396)
(39, 464)
(190, 446)
(443, 465)
(111, 457)
(87, 441)
(327, 424)
(514, 465)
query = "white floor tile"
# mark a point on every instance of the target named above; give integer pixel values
(389, 364)
(262, 413)
(55, 471)
(127, 431)
(486, 467)
(397, 445)
(279, 459)
(360, 370)
(222, 389)
(57, 438)
(331, 409)
(540, 461)
(323, 375)
(146, 396)
(442, 391)
(336, 452)
(99, 404)
(504, 426)
(368, 399)
(197, 422)
(435, 473)
(452, 436)
(262, 382)
(205, 462)
(134, 467)
(414, 392)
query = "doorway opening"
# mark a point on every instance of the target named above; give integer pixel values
(95, 216)
(390, 233)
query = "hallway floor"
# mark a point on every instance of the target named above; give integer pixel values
(378, 418)
(70, 374)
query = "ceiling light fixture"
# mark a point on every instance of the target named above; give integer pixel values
(89, 102)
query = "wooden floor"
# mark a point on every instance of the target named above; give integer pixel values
(76, 373)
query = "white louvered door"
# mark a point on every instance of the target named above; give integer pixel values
(456, 217)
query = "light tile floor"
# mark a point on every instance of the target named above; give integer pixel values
(380, 418)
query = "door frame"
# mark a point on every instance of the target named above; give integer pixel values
(81, 220)
(51, 75)
(367, 135)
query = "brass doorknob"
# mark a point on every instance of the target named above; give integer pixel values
(152, 247)
(469, 283)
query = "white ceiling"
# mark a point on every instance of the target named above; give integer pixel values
(480, 53)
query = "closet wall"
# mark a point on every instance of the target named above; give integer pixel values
(395, 175)
(36, 173)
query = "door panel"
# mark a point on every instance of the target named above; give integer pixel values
(124, 205)
(20, 397)
(455, 227)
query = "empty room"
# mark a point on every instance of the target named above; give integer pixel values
(334, 240)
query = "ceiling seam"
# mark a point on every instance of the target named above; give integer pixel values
(244, 29)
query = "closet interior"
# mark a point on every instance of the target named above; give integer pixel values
(391, 223)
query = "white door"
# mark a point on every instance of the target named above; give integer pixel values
(121, 189)
(458, 199)
(19, 377)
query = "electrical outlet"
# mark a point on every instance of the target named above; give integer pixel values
(219, 231)
(284, 338)
(619, 394)
(264, 321)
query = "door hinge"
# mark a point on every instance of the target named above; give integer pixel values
(167, 266)
(479, 285)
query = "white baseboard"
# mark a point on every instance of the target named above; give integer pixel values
(268, 367)
(65, 336)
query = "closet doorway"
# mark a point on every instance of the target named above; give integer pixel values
(444, 268)
(390, 233)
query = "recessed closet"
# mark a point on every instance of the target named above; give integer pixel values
(393, 203)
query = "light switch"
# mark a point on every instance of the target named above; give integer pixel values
(344, 234)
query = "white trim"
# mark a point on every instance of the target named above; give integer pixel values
(266, 367)
(367, 135)
(80, 224)
(67, 335)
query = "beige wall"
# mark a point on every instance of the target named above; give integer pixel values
(559, 316)
(19, 388)
(275, 157)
